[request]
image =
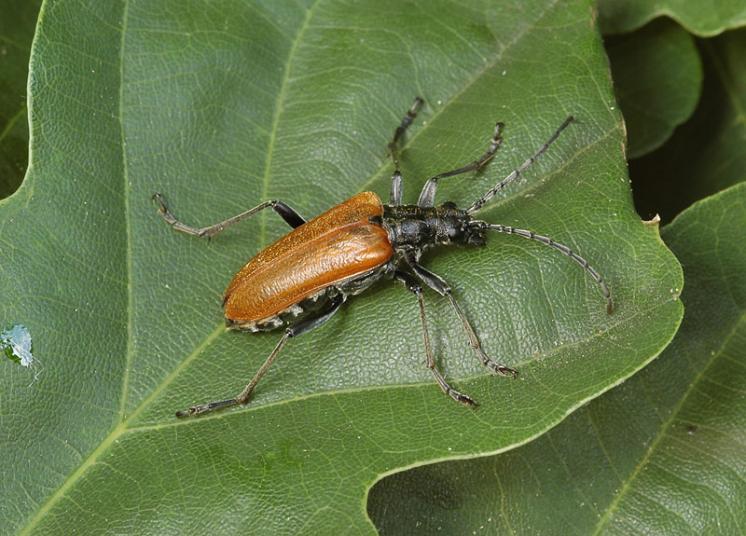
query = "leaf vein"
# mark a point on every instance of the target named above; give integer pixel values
(129, 354)
(279, 108)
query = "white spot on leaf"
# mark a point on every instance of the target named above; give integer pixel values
(16, 344)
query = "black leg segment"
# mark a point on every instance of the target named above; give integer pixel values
(288, 214)
(427, 195)
(439, 285)
(292, 331)
(396, 179)
(324, 315)
(412, 285)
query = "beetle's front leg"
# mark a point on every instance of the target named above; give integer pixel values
(439, 285)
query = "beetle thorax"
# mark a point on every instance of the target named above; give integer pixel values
(414, 227)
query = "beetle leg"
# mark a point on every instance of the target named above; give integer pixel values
(288, 214)
(242, 398)
(396, 191)
(414, 287)
(565, 250)
(292, 331)
(439, 285)
(427, 195)
(476, 205)
(325, 314)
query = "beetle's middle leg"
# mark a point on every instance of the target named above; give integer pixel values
(395, 196)
(292, 331)
(286, 212)
(414, 287)
(427, 195)
(439, 285)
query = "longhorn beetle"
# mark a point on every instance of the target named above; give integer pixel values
(300, 281)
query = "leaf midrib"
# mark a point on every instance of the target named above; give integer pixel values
(130, 347)
(279, 108)
(12, 122)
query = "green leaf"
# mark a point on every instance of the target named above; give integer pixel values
(661, 454)
(657, 80)
(221, 107)
(16, 31)
(701, 18)
(706, 154)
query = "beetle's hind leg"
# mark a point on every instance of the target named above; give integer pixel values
(292, 331)
(396, 180)
(290, 216)
(244, 396)
(439, 285)
(414, 287)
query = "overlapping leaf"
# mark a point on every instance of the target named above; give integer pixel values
(706, 154)
(16, 30)
(221, 106)
(657, 80)
(701, 18)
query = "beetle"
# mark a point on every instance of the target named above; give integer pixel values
(300, 281)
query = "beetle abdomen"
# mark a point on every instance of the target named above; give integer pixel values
(336, 246)
(297, 312)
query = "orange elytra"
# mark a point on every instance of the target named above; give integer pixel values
(332, 248)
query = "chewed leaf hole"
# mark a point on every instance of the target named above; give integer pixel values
(16, 345)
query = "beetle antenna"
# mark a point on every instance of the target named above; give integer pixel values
(520, 169)
(565, 250)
